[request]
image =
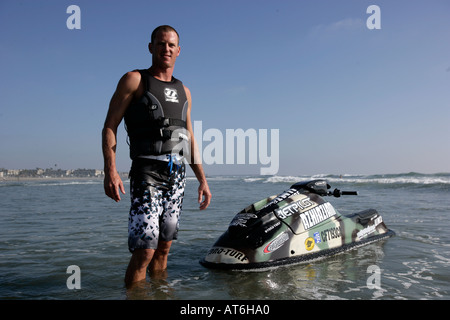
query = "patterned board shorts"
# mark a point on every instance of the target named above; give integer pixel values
(157, 193)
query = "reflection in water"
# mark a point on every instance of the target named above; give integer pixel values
(155, 287)
(341, 276)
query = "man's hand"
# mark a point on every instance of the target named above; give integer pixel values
(112, 184)
(203, 191)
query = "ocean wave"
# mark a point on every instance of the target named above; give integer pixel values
(411, 178)
(391, 179)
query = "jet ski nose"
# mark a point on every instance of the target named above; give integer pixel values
(225, 255)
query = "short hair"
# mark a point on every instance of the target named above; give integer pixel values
(163, 28)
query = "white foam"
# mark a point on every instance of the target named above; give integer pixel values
(419, 179)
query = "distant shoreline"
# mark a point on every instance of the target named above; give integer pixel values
(25, 179)
(8, 179)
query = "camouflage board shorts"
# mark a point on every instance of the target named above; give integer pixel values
(157, 191)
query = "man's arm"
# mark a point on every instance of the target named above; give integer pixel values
(120, 101)
(195, 161)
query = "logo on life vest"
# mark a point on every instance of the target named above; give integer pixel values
(171, 95)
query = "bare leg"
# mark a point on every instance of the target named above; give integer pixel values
(159, 260)
(137, 267)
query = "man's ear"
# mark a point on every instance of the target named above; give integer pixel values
(150, 47)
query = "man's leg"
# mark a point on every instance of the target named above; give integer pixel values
(137, 267)
(169, 222)
(159, 260)
(143, 230)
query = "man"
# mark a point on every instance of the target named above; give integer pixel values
(156, 108)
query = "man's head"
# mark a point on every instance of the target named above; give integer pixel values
(164, 46)
(164, 28)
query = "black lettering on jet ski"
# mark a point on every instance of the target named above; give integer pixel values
(229, 252)
(330, 234)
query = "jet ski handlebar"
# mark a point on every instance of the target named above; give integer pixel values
(337, 193)
(321, 187)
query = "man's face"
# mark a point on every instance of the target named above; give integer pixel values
(165, 49)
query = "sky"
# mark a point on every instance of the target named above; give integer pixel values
(343, 97)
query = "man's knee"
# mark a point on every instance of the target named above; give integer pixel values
(143, 256)
(163, 247)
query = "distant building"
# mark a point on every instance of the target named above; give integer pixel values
(51, 173)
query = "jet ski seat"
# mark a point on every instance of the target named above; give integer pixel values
(364, 216)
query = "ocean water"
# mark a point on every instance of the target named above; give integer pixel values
(49, 225)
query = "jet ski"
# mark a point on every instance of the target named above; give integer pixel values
(295, 226)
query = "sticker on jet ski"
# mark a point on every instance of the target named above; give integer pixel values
(276, 243)
(227, 255)
(316, 215)
(241, 219)
(370, 229)
(327, 234)
(292, 208)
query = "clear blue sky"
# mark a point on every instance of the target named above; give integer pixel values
(345, 99)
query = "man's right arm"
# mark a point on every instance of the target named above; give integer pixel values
(120, 101)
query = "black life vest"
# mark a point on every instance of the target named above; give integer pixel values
(156, 122)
